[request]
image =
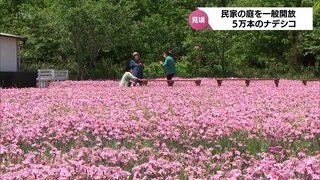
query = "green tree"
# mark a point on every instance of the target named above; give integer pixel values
(94, 27)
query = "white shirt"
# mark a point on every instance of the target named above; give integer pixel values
(126, 78)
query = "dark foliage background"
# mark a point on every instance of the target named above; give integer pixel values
(95, 39)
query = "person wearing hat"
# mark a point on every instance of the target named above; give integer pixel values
(137, 67)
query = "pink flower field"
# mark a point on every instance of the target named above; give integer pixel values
(96, 130)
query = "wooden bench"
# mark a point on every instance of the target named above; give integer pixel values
(246, 80)
(45, 76)
(304, 81)
(171, 82)
(61, 75)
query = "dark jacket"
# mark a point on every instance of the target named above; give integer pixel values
(137, 69)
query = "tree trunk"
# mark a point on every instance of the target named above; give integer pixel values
(80, 68)
(295, 43)
(222, 62)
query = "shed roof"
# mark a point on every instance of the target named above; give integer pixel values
(20, 38)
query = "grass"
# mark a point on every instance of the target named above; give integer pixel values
(26, 147)
(146, 113)
(252, 146)
(133, 117)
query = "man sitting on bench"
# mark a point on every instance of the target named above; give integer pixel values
(168, 65)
